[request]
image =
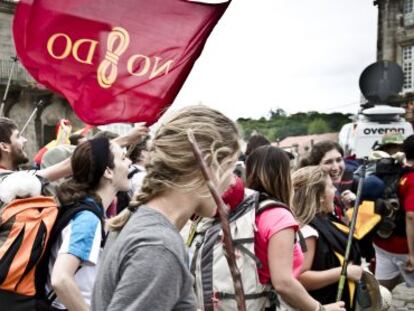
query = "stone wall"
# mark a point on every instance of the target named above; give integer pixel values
(389, 22)
(6, 42)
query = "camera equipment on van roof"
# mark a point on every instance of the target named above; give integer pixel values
(379, 83)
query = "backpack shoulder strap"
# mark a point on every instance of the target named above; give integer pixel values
(4, 174)
(133, 172)
(302, 241)
(69, 212)
(270, 203)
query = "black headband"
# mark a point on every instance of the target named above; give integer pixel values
(100, 155)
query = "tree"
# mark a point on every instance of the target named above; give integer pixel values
(281, 125)
(277, 113)
(318, 126)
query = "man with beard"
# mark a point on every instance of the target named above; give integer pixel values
(12, 152)
(11, 146)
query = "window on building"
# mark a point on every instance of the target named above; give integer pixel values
(408, 6)
(407, 64)
(409, 13)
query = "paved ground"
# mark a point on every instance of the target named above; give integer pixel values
(403, 298)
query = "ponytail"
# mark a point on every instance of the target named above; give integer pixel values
(71, 191)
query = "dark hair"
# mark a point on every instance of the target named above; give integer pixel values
(268, 171)
(138, 149)
(107, 134)
(255, 142)
(74, 139)
(318, 152)
(408, 148)
(84, 167)
(7, 126)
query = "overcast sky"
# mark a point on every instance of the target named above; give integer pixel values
(299, 55)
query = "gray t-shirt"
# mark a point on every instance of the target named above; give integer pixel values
(144, 267)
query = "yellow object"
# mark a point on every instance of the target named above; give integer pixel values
(62, 135)
(367, 219)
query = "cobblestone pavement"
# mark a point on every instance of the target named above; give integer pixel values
(402, 298)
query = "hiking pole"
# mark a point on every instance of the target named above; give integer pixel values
(342, 278)
(38, 105)
(227, 240)
(6, 92)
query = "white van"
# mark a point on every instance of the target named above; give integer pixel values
(359, 137)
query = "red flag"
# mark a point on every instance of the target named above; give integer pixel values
(114, 61)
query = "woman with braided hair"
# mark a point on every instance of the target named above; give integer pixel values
(145, 262)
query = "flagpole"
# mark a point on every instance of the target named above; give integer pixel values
(3, 101)
(343, 275)
(38, 105)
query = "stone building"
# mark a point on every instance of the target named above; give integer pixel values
(395, 42)
(24, 93)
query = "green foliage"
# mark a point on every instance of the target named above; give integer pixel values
(318, 126)
(280, 125)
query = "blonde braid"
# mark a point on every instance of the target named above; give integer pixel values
(171, 163)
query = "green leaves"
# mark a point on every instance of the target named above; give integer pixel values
(281, 125)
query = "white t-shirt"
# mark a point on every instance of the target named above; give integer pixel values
(137, 178)
(308, 231)
(82, 238)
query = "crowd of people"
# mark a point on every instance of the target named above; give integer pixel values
(135, 226)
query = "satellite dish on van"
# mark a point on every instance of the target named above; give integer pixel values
(380, 81)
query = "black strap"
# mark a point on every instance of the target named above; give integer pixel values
(271, 295)
(302, 242)
(133, 172)
(250, 254)
(223, 295)
(242, 241)
(69, 212)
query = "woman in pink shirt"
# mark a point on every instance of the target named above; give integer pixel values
(268, 171)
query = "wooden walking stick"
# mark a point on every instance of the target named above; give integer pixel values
(6, 92)
(223, 216)
(342, 278)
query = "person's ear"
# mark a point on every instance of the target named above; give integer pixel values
(4, 147)
(109, 173)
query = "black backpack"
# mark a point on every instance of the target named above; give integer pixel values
(388, 206)
(66, 214)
